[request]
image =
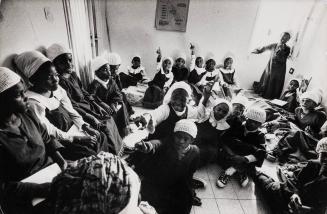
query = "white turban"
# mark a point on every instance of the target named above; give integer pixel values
(56, 50)
(314, 95)
(175, 86)
(181, 55)
(114, 59)
(98, 62)
(8, 79)
(187, 126)
(240, 100)
(29, 62)
(256, 114)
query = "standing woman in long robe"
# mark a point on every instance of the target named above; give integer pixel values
(272, 80)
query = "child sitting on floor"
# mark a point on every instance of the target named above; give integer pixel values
(135, 73)
(179, 70)
(245, 150)
(168, 172)
(290, 96)
(211, 75)
(196, 68)
(228, 77)
(304, 194)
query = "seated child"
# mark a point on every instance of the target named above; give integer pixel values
(135, 73)
(309, 120)
(239, 104)
(166, 115)
(168, 172)
(245, 150)
(106, 89)
(228, 77)
(179, 69)
(196, 68)
(304, 194)
(162, 80)
(92, 110)
(211, 75)
(290, 96)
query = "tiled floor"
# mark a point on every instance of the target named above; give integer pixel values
(233, 199)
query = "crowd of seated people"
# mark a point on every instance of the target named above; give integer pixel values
(200, 117)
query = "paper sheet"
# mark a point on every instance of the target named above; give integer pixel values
(45, 175)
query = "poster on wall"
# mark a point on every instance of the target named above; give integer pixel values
(171, 15)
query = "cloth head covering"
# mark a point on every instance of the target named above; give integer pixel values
(177, 85)
(256, 114)
(98, 62)
(187, 126)
(181, 55)
(171, 62)
(8, 79)
(240, 100)
(220, 124)
(315, 95)
(29, 62)
(99, 175)
(114, 59)
(322, 145)
(56, 50)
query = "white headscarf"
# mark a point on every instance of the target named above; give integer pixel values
(314, 95)
(56, 50)
(220, 124)
(29, 62)
(98, 62)
(175, 86)
(8, 79)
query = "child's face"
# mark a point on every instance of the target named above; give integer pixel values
(210, 65)
(178, 103)
(308, 104)
(136, 63)
(180, 62)
(182, 140)
(166, 65)
(228, 63)
(293, 85)
(285, 38)
(64, 63)
(199, 62)
(103, 72)
(220, 111)
(252, 125)
(238, 109)
(114, 69)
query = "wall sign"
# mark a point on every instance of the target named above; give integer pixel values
(171, 15)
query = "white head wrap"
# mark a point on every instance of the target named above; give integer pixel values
(29, 62)
(256, 114)
(177, 85)
(240, 100)
(171, 62)
(322, 145)
(98, 62)
(181, 55)
(314, 95)
(56, 50)
(187, 126)
(114, 59)
(220, 124)
(8, 79)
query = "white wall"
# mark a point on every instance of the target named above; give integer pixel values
(217, 26)
(23, 27)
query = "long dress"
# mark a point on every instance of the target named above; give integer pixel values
(273, 77)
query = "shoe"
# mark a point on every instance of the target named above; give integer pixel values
(244, 180)
(198, 183)
(223, 180)
(196, 201)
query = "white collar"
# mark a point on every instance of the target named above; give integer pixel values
(227, 71)
(103, 83)
(50, 103)
(199, 70)
(219, 125)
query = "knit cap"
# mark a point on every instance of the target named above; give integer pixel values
(114, 59)
(56, 50)
(98, 62)
(322, 145)
(8, 79)
(187, 126)
(256, 114)
(29, 62)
